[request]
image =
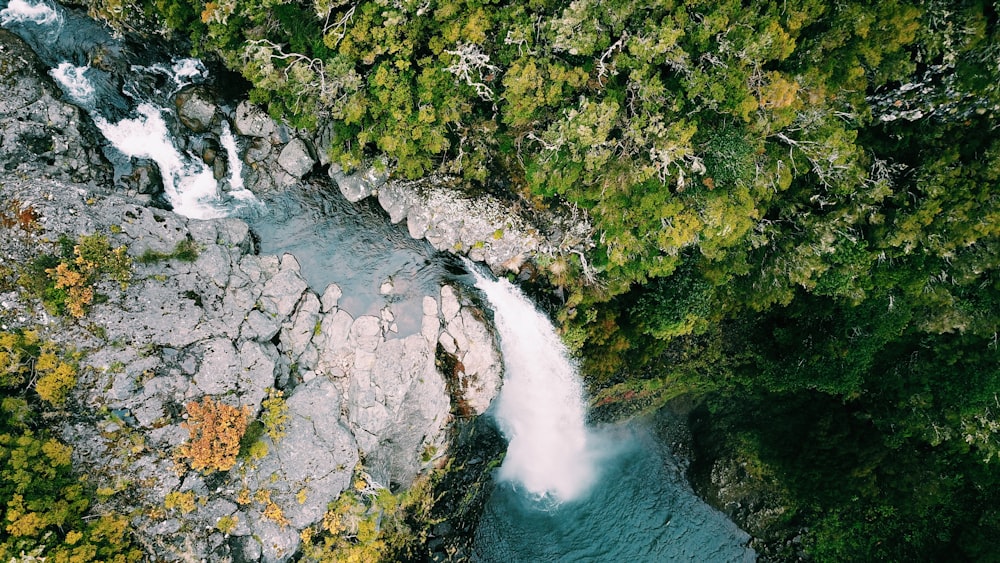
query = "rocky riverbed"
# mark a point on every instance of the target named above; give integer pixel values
(227, 323)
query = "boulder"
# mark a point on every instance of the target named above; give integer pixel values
(196, 108)
(296, 158)
(361, 184)
(251, 121)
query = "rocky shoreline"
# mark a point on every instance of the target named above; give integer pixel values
(359, 401)
(362, 401)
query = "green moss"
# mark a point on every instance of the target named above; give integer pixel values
(185, 251)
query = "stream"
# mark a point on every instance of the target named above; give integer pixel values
(565, 491)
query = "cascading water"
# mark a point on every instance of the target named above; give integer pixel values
(565, 492)
(540, 410)
(189, 184)
(569, 492)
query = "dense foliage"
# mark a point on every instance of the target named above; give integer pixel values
(796, 202)
(46, 511)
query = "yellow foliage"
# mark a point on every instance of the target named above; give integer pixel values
(181, 501)
(58, 453)
(227, 524)
(274, 513)
(55, 379)
(275, 414)
(215, 432)
(243, 497)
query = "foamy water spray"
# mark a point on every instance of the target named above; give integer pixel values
(540, 409)
(41, 14)
(188, 182)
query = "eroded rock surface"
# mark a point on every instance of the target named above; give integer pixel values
(42, 135)
(234, 326)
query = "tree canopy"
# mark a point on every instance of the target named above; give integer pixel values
(811, 187)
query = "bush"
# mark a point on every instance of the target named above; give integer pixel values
(216, 430)
(66, 285)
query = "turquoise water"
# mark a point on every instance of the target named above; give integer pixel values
(636, 505)
(640, 510)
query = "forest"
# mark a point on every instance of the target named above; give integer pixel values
(796, 203)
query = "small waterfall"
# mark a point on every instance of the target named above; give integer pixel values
(228, 142)
(541, 408)
(188, 183)
(41, 14)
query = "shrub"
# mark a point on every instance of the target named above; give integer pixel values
(275, 414)
(65, 285)
(215, 433)
(185, 251)
(24, 357)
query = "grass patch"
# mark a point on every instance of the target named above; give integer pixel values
(185, 251)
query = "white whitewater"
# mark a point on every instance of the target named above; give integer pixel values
(541, 409)
(228, 142)
(40, 14)
(188, 183)
(75, 84)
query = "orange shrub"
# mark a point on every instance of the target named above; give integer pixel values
(215, 433)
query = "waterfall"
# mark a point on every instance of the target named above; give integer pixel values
(188, 183)
(41, 14)
(541, 409)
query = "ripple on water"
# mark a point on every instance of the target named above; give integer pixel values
(641, 510)
(354, 246)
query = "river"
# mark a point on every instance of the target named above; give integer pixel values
(566, 491)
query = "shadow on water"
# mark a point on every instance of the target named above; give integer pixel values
(641, 509)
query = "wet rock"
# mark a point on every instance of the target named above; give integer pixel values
(196, 108)
(477, 372)
(296, 158)
(42, 134)
(144, 179)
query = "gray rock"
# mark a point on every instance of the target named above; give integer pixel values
(478, 371)
(43, 136)
(260, 327)
(282, 292)
(394, 200)
(397, 405)
(359, 185)
(253, 122)
(196, 108)
(151, 229)
(219, 367)
(296, 337)
(214, 263)
(331, 295)
(366, 333)
(144, 177)
(259, 364)
(296, 158)
(306, 469)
